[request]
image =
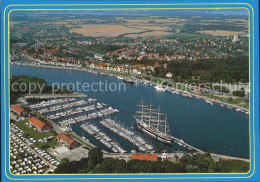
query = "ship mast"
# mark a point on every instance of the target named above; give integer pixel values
(142, 110)
(165, 129)
(154, 119)
(158, 120)
(150, 114)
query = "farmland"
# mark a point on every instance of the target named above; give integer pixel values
(220, 32)
(95, 30)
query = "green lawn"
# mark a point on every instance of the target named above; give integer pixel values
(235, 101)
(34, 133)
(246, 106)
(48, 144)
(211, 96)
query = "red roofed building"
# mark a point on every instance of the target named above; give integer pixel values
(39, 124)
(66, 140)
(18, 110)
(147, 157)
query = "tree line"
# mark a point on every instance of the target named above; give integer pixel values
(21, 85)
(227, 70)
(197, 163)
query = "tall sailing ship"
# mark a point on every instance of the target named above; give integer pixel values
(152, 122)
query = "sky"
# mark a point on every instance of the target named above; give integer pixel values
(145, 12)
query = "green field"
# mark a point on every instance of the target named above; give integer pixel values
(211, 97)
(33, 133)
(48, 144)
(186, 37)
(37, 135)
(236, 101)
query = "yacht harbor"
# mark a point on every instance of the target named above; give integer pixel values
(184, 115)
(127, 134)
(102, 137)
(70, 110)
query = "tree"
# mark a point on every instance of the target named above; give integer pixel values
(95, 156)
(196, 163)
(239, 93)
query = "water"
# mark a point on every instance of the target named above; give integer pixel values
(210, 128)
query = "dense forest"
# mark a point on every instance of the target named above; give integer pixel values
(228, 70)
(20, 84)
(197, 163)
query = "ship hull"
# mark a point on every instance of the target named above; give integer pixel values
(129, 81)
(154, 135)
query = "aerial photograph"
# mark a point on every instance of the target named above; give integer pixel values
(129, 91)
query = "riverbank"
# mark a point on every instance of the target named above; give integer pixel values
(145, 81)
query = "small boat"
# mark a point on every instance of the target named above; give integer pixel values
(180, 144)
(130, 81)
(159, 88)
(222, 105)
(209, 102)
(120, 78)
(187, 95)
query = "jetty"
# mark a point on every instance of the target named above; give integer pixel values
(46, 96)
(128, 135)
(102, 137)
(184, 144)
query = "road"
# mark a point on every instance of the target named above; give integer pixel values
(127, 156)
(229, 157)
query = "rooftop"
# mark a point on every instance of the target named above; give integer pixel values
(37, 122)
(65, 138)
(148, 157)
(18, 109)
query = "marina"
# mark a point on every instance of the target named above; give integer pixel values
(102, 137)
(74, 110)
(125, 133)
(184, 115)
